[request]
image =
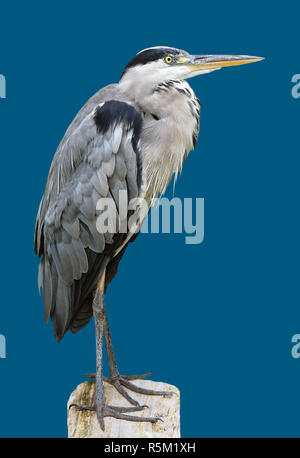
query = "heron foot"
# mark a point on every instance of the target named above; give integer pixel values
(120, 381)
(104, 410)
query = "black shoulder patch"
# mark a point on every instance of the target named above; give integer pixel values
(115, 112)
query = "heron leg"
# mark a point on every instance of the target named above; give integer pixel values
(121, 381)
(102, 409)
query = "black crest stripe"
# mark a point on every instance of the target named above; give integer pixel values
(150, 55)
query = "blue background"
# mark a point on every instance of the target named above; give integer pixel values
(215, 319)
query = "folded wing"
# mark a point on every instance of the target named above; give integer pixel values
(99, 158)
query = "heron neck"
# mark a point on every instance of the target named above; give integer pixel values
(136, 88)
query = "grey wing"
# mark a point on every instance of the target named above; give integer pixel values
(100, 158)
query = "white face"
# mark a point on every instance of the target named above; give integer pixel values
(156, 72)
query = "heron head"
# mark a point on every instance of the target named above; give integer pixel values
(156, 65)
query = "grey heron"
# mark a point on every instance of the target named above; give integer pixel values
(133, 136)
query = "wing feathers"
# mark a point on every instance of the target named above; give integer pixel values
(98, 159)
(61, 312)
(47, 289)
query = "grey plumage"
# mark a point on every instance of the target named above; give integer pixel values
(90, 163)
(131, 136)
(125, 143)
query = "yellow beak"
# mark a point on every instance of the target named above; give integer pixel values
(214, 62)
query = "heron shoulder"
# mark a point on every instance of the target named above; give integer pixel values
(92, 122)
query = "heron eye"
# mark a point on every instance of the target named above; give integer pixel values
(169, 59)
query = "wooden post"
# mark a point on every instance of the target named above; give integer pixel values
(84, 424)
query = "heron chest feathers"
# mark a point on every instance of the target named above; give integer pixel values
(169, 133)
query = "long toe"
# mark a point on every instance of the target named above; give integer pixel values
(146, 391)
(136, 377)
(82, 406)
(109, 411)
(120, 381)
(117, 382)
(123, 392)
(118, 412)
(126, 377)
(128, 409)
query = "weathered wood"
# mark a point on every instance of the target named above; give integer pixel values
(84, 424)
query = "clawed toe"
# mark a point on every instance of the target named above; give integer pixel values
(116, 412)
(127, 409)
(120, 381)
(146, 391)
(82, 406)
(115, 408)
(126, 377)
(136, 377)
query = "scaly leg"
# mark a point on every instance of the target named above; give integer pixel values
(117, 380)
(102, 409)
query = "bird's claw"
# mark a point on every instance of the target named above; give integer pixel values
(127, 377)
(115, 412)
(120, 381)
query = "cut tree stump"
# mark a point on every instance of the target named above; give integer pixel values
(84, 424)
